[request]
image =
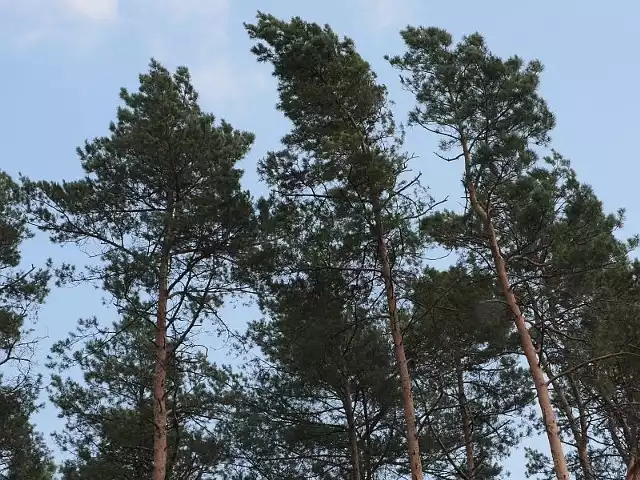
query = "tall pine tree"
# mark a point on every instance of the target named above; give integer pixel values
(490, 113)
(342, 159)
(162, 208)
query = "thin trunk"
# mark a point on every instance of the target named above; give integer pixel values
(578, 427)
(175, 424)
(467, 422)
(617, 443)
(353, 435)
(580, 435)
(615, 420)
(142, 460)
(413, 445)
(544, 400)
(368, 473)
(633, 468)
(583, 452)
(160, 377)
(627, 449)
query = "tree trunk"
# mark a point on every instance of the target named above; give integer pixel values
(633, 472)
(353, 435)
(580, 435)
(544, 400)
(467, 422)
(367, 474)
(159, 406)
(583, 444)
(413, 445)
(578, 427)
(159, 381)
(160, 377)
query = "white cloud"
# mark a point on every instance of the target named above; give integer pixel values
(181, 10)
(78, 24)
(176, 32)
(184, 28)
(27, 23)
(96, 10)
(196, 33)
(385, 14)
(226, 87)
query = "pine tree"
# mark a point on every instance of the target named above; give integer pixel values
(342, 165)
(580, 255)
(162, 208)
(546, 233)
(490, 110)
(23, 454)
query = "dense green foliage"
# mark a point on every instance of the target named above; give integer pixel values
(23, 454)
(362, 345)
(108, 415)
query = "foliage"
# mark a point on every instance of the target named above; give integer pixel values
(164, 158)
(23, 453)
(468, 378)
(108, 415)
(336, 255)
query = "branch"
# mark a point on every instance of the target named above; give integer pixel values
(587, 362)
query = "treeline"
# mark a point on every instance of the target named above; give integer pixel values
(372, 364)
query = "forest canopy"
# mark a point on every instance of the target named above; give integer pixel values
(369, 361)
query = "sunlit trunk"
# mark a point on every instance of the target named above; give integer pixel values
(160, 377)
(544, 400)
(161, 354)
(415, 462)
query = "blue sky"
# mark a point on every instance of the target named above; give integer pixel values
(63, 62)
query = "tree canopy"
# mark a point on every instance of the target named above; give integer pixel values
(366, 359)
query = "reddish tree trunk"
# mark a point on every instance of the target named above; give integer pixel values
(633, 472)
(415, 461)
(160, 445)
(159, 381)
(583, 438)
(544, 400)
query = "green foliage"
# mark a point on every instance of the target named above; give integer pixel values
(330, 94)
(466, 372)
(164, 180)
(342, 159)
(109, 414)
(319, 347)
(163, 187)
(160, 203)
(466, 90)
(338, 190)
(552, 233)
(23, 453)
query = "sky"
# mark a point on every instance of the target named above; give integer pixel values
(64, 61)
